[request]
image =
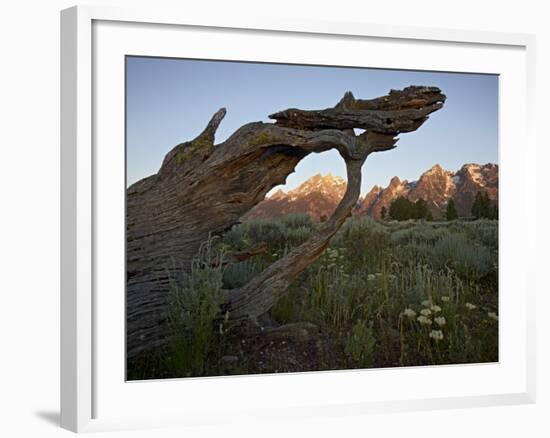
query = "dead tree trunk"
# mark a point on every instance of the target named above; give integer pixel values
(201, 189)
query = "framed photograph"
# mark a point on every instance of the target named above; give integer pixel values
(224, 235)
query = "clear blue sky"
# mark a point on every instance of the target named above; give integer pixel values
(169, 101)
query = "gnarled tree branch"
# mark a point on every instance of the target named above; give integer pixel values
(202, 188)
(400, 111)
(264, 290)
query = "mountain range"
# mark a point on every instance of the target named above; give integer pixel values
(319, 195)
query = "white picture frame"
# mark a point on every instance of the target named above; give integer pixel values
(86, 375)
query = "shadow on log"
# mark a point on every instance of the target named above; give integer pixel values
(203, 189)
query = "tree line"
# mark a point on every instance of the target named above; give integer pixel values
(403, 209)
(483, 208)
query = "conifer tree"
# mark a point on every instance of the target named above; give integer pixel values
(451, 213)
(420, 210)
(401, 209)
(494, 212)
(482, 207)
(477, 206)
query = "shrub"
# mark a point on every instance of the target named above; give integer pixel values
(364, 240)
(238, 274)
(360, 344)
(194, 305)
(334, 299)
(422, 234)
(470, 260)
(485, 232)
(290, 230)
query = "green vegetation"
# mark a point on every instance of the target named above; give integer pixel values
(483, 208)
(261, 138)
(197, 331)
(360, 344)
(183, 156)
(450, 213)
(194, 306)
(401, 209)
(189, 150)
(384, 293)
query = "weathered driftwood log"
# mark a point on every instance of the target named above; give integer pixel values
(201, 189)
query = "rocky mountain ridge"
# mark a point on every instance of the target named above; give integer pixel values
(319, 195)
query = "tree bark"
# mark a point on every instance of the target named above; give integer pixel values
(203, 189)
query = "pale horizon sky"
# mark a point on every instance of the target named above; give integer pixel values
(170, 101)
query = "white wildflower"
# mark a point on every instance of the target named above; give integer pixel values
(370, 277)
(493, 315)
(426, 303)
(440, 321)
(435, 308)
(445, 299)
(424, 320)
(470, 306)
(436, 335)
(426, 312)
(410, 313)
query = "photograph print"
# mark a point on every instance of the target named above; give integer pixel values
(289, 218)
